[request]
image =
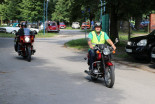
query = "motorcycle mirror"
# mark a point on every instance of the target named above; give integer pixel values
(116, 40)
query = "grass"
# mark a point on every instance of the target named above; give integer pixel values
(70, 28)
(80, 44)
(6, 35)
(39, 35)
(133, 32)
(47, 35)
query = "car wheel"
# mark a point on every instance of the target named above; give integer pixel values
(35, 32)
(14, 32)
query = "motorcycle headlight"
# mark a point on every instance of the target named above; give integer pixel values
(106, 51)
(142, 43)
(27, 39)
(129, 43)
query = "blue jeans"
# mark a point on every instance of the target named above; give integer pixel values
(92, 57)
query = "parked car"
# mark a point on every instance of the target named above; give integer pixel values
(32, 25)
(52, 27)
(85, 25)
(14, 30)
(62, 25)
(142, 46)
(2, 30)
(11, 30)
(75, 25)
(144, 24)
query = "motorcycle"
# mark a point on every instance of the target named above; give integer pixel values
(26, 46)
(103, 67)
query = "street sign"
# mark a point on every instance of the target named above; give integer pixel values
(152, 22)
(105, 23)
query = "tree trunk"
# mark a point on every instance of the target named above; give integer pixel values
(125, 26)
(113, 24)
(129, 31)
(137, 22)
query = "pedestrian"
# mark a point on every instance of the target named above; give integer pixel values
(92, 25)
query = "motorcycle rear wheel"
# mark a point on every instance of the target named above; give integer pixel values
(109, 77)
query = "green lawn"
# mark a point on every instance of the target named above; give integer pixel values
(6, 35)
(70, 28)
(81, 44)
(47, 35)
(39, 35)
(133, 32)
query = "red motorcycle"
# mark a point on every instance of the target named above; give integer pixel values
(103, 67)
(25, 45)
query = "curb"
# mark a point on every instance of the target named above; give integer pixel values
(141, 67)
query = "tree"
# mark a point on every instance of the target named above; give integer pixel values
(62, 10)
(124, 10)
(9, 10)
(31, 10)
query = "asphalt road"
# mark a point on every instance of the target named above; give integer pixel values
(56, 76)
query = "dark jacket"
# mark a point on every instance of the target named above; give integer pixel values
(20, 32)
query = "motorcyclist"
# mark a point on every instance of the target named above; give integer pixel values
(97, 37)
(22, 31)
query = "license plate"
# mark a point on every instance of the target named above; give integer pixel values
(129, 50)
(153, 55)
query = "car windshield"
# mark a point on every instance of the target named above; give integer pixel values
(76, 23)
(84, 23)
(26, 31)
(52, 24)
(152, 33)
(62, 24)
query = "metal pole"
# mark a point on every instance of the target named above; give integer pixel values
(101, 11)
(44, 19)
(104, 6)
(47, 10)
(86, 27)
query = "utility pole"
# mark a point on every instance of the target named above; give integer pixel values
(101, 11)
(47, 10)
(86, 28)
(44, 19)
(104, 6)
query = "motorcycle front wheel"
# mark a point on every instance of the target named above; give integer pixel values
(109, 76)
(29, 54)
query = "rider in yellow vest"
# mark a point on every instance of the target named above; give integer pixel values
(97, 37)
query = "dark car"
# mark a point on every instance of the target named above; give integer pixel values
(142, 46)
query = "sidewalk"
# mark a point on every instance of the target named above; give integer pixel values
(143, 65)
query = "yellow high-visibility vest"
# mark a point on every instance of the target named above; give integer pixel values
(96, 41)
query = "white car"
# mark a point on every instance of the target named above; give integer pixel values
(75, 25)
(14, 30)
(34, 29)
(11, 30)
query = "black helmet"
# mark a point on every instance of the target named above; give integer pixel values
(23, 24)
(98, 25)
